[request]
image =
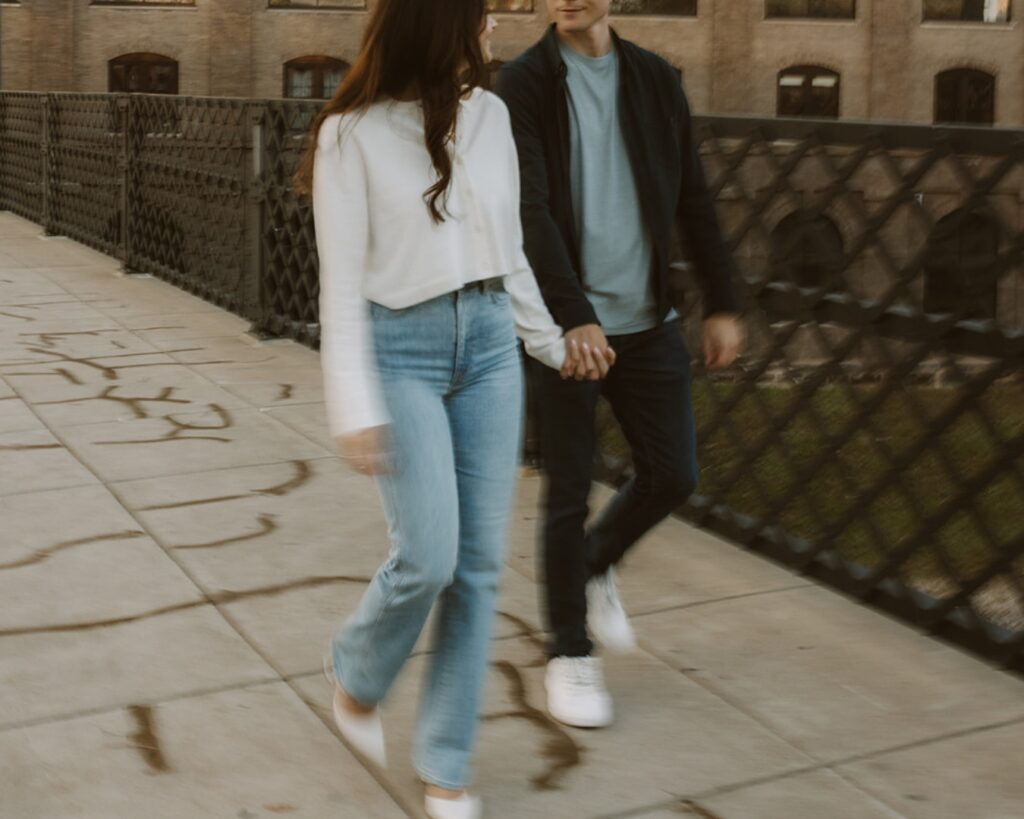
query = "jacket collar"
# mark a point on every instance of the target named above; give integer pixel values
(553, 56)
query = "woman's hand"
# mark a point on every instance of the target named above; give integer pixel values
(366, 451)
(587, 354)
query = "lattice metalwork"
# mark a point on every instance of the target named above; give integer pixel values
(290, 281)
(21, 154)
(186, 173)
(864, 439)
(84, 180)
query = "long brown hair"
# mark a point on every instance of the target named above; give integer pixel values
(426, 48)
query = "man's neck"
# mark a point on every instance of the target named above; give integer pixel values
(596, 41)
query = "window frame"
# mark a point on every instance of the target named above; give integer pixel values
(953, 21)
(683, 15)
(955, 293)
(810, 73)
(963, 73)
(317, 5)
(142, 58)
(321, 62)
(826, 254)
(811, 17)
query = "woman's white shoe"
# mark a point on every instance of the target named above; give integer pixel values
(465, 807)
(363, 732)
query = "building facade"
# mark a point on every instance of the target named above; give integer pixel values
(910, 60)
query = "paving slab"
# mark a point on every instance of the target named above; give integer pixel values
(264, 525)
(166, 329)
(812, 795)
(17, 416)
(216, 439)
(833, 677)
(50, 251)
(245, 754)
(26, 285)
(978, 776)
(34, 460)
(56, 673)
(12, 225)
(76, 556)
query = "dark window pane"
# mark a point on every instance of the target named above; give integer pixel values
(143, 73)
(313, 77)
(807, 251)
(326, 4)
(961, 271)
(808, 91)
(840, 9)
(965, 95)
(510, 5)
(682, 8)
(978, 11)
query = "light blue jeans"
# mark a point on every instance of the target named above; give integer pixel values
(452, 379)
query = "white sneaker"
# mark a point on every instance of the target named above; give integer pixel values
(364, 733)
(606, 618)
(576, 692)
(465, 807)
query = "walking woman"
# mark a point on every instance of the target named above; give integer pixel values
(423, 288)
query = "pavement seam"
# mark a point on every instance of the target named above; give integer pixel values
(710, 601)
(69, 716)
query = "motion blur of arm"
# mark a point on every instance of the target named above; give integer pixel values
(724, 336)
(355, 408)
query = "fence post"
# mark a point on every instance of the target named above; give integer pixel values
(46, 213)
(254, 198)
(124, 112)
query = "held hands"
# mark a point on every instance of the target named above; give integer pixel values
(587, 354)
(366, 451)
(724, 339)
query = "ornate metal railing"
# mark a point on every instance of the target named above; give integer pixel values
(871, 436)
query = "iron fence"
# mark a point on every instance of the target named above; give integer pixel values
(871, 436)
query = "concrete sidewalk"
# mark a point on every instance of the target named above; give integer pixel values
(179, 540)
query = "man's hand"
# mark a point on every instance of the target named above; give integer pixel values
(366, 451)
(587, 354)
(724, 338)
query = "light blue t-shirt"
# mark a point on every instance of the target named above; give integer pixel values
(615, 246)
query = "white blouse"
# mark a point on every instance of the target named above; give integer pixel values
(377, 242)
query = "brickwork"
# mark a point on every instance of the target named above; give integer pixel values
(730, 54)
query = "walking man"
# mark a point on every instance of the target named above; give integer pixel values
(608, 167)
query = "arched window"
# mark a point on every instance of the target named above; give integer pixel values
(142, 73)
(965, 95)
(314, 78)
(960, 268)
(807, 251)
(978, 11)
(808, 91)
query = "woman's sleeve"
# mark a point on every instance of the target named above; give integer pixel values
(340, 204)
(541, 336)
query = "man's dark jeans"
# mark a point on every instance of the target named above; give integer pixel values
(649, 392)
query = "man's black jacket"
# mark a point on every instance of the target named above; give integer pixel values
(666, 167)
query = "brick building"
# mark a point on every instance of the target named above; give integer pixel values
(916, 60)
